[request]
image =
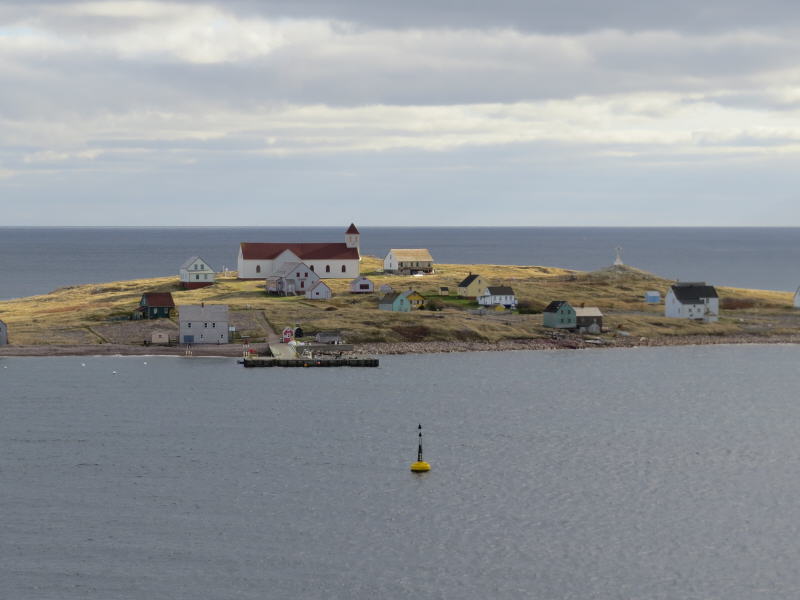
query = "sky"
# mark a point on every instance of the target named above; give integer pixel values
(300, 112)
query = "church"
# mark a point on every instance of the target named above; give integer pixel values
(329, 260)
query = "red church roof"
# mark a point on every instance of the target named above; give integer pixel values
(352, 229)
(158, 300)
(320, 251)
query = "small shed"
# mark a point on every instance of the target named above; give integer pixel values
(320, 291)
(652, 297)
(394, 302)
(362, 285)
(160, 337)
(155, 305)
(385, 289)
(328, 337)
(560, 314)
(444, 291)
(589, 319)
(3, 334)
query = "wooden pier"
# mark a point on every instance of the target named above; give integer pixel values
(309, 362)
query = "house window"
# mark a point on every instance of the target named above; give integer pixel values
(312, 268)
(302, 284)
(214, 324)
(205, 325)
(327, 268)
(298, 274)
(344, 268)
(197, 276)
(258, 268)
(189, 325)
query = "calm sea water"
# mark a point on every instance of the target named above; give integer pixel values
(656, 473)
(38, 260)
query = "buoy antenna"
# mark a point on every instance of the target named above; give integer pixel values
(420, 466)
(419, 448)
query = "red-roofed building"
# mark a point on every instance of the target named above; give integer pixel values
(329, 260)
(155, 305)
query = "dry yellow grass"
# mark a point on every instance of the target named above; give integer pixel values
(84, 314)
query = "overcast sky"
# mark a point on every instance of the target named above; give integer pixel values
(323, 112)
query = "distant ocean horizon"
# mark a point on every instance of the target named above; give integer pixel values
(37, 260)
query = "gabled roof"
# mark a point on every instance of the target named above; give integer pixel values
(555, 305)
(311, 251)
(500, 290)
(389, 298)
(468, 279)
(352, 229)
(407, 254)
(286, 268)
(588, 311)
(408, 293)
(361, 278)
(693, 292)
(203, 312)
(189, 262)
(316, 285)
(158, 299)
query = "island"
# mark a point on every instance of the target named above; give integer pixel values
(95, 318)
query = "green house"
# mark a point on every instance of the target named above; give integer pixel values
(395, 302)
(560, 314)
(155, 305)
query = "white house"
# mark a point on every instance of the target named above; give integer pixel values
(329, 260)
(692, 300)
(3, 334)
(195, 273)
(320, 291)
(203, 323)
(362, 285)
(292, 279)
(495, 295)
(405, 261)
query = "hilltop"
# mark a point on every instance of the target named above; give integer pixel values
(95, 314)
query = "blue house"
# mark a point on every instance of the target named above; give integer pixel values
(395, 302)
(652, 297)
(560, 314)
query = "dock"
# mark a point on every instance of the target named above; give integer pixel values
(310, 362)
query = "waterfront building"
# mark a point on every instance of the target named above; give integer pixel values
(203, 323)
(362, 285)
(692, 300)
(472, 286)
(589, 319)
(559, 314)
(499, 295)
(406, 261)
(155, 305)
(195, 273)
(329, 260)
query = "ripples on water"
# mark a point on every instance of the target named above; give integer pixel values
(650, 473)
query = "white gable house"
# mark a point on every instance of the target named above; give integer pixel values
(499, 295)
(320, 291)
(329, 260)
(292, 279)
(689, 300)
(195, 273)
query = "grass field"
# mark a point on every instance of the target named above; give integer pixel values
(89, 314)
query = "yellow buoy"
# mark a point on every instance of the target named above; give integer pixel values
(420, 466)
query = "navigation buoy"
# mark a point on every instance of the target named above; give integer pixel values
(420, 466)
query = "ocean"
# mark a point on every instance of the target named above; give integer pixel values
(656, 473)
(36, 260)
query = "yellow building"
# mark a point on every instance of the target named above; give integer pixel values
(414, 298)
(472, 286)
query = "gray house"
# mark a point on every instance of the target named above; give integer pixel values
(3, 334)
(560, 314)
(589, 319)
(203, 323)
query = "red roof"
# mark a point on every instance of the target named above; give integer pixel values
(321, 251)
(158, 299)
(352, 229)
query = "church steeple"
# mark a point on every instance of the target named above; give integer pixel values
(352, 238)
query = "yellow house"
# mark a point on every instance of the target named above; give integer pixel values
(414, 298)
(472, 286)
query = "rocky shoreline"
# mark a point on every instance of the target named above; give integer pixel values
(386, 349)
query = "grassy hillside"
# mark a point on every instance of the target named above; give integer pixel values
(90, 314)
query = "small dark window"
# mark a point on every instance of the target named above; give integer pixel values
(205, 325)
(344, 268)
(311, 267)
(258, 268)
(327, 268)
(189, 325)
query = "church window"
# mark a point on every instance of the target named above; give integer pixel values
(344, 268)
(258, 268)
(327, 268)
